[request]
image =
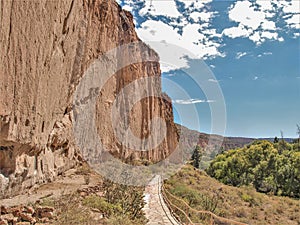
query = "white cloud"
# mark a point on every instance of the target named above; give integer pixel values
(194, 30)
(268, 53)
(191, 101)
(290, 6)
(257, 23)
(255, 78)
(234, 32)
(281, 39)
(197, 36)
(243, 13)
(264, 53)
(170, 74)
(269, 35)
(213, 80)
(163, 33)
(201, 16)
(187, 4)
(268, 25)
(196, 45)
(195, 16)
(296, 35)
(197, 3)
(265, 5)
(128, 8)
(255, 37)
(240, 55)
(160, 8)
(294, 21)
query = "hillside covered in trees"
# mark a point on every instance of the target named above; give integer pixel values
(269, 167)
(243, 204)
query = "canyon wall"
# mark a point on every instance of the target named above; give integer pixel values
(46, 47)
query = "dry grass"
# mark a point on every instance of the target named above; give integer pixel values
(242, 204)
(70, 210)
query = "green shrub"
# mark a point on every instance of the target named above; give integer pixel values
(97, 202)
(263, 164)
(246, 197)
(124, 220)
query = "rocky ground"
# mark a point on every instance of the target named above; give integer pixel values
(37, 206)
(26, 215)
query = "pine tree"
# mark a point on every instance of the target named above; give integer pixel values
(196, 157)
(298, 132)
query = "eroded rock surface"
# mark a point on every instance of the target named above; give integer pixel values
(46, 46)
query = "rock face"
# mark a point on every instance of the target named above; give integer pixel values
(46, 48)
(191, 138)
(211, 144)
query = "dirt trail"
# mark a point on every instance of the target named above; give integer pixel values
(155, 209)
(68, 183)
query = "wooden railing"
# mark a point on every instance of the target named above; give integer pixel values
(182, 208)
(175, 220)
(171, 206)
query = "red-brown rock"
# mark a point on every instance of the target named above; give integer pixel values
(29, 210)
(27, 217)
(3, 222)
(9, 217)
(47, 215)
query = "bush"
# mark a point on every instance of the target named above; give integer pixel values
(106, 208)
(128, 199)
(124, 220)
(247, 198)
(71, 212)
(262, 164)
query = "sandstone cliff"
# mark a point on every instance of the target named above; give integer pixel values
(45, 48)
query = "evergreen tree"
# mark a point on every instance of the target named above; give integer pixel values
(298, 132)
(196, 157)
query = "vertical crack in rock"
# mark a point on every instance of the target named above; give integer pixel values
(64, 30)
(10, 25)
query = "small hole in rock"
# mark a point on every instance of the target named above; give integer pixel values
(27, 122)
(125, 26)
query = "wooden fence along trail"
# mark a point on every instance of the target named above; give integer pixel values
(160, 210)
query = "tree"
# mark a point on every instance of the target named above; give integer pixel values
(298, 132)
(281, 145)
(262, 165)
(196, 157)
(276, 140)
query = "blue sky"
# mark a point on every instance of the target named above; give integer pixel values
(251, 52)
